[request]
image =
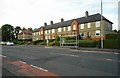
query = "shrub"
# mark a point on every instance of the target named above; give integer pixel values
(111, 36)
(111, 44)
(88, 43)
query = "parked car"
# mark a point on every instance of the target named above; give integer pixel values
(3, 43)
(10, 43)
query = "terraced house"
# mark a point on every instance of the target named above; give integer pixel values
(88, 26)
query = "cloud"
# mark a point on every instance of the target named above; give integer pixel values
(33, 13)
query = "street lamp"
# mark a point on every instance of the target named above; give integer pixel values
(101, 26)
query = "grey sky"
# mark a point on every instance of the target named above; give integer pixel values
(33, 13)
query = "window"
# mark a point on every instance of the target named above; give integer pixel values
(97, 32)
(82, 26)
(69, 28)
(59, 29)
(49, 37)
(74, 27)
(53, 37)
(49, 31)
(41, 32)
(88, 25)
(98, 24)
(81, 34)
(64, 28)
(46, 32)
(53, 30)
(45, 37)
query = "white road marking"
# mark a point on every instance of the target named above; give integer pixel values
(23, 62)
(109, 59)
(39, 68)
(34, 66)
(116, 53)
(2, 56)
(71, 55)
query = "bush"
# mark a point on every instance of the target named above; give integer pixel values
(89, 43)
(43, 43)
(37, 42)
(111, 44)
(111, 36)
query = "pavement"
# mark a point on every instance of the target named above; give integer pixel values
(88, 49)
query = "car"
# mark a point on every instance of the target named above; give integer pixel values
(3, 43)
(9, 43)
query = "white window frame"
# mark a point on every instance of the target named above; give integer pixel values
(74, 27)
(97, 31)
(97, 23)
(53, 30)
(45, 37)
(59, 29)
(69, 28)
(64, 28)
(82, 26)
(88, 25)
(46, 32)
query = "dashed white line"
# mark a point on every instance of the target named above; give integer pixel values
(109, 59)
(65, 54)
(35, 66)
(2, 56)
(39, 68)
(23, 62)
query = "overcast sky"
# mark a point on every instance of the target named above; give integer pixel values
(33, 13)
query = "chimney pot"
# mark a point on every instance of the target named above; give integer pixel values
(62, 20)
(45, 24)
(86, 14)
(51, 22)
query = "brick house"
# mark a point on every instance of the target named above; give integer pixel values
(88, 26)
(24, 34)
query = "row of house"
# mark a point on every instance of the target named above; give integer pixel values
(88, 26)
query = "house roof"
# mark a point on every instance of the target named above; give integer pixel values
(81, 20)
(36, 30)
(25, 32)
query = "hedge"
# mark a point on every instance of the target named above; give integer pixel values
(88, 43)
(111, 44)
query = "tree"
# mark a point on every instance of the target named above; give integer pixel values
(30, 29)
(17, 29)
(7, 32)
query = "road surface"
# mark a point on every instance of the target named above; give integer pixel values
(65, 62)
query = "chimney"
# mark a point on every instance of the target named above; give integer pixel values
(62, 20)
(51, 22)
(45, 24)
(86, 14)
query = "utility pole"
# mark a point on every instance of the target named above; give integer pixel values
(101, 26)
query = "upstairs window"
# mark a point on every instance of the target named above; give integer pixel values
(53, 30)
(64, 28)
(69, 28)
(59, 29)
(74, 27)
(98, 24)
(82, 26)
(88, 25)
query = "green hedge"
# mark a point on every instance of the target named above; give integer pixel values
(111, 44)
(88, 43)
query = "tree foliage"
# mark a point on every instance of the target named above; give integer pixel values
(7, 32)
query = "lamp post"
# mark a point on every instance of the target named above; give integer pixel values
(101, 26)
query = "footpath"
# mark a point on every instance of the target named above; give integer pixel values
(88, 49)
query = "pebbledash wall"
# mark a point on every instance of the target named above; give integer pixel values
(88, 26)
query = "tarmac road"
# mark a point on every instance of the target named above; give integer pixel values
(65, 62)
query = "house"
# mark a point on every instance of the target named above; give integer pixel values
(38, 34)
(24, 34)
(88, 26)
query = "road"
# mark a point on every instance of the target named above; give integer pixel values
(65, 62)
